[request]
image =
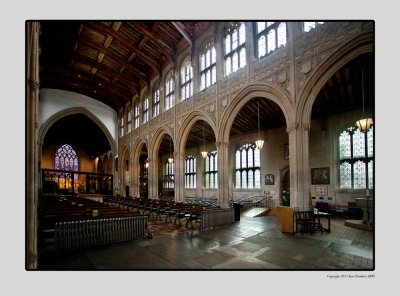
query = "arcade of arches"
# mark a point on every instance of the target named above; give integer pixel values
(300, 92)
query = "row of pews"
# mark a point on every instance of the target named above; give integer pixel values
(164, 210)
(75, 222)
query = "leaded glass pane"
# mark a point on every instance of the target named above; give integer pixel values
(227, 44)
(282, 34)
(202, 62)
(238, 183)
(208, 58)
(271, 41)
(207, 180)
(260, 26)
(213, 56)
(270, 24)
(261, 47)
(250, 180)
(216, 162)
(235, 61)
(216, 180)
(345, 175)
(244, 179)
(345, 145)
(242, 34)
(211, 180)
(359, 174)
(237, 159)
(370, 141)
(256, 157)
(243, 157)
(242, 57)
(250, 161)
(234, 40)
(358, 144)
(371, 174)
(208, 78)
(203, 81)
(228, 66)
(257, 179)
(194, 165)
(207, 163)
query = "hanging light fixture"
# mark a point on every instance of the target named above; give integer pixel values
(146, 164)
(259, 142)
(365, 122)
(170, 159)
(204, 152)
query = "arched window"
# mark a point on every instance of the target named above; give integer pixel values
(308, 26)
(169, 180)
(129, 121)
(270, 36)
(208, 69)
(211, 170)
(235, 48)
(186, 79)
(247, 167)
(156, 100)
(121, 125)
(66, 159)
(169, 91)
(136, 114)
(145, 107)
(190, 172)
(356, 155)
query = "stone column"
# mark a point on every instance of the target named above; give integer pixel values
(32, 166)
(299, 166)
(223, 174)
(179, 175)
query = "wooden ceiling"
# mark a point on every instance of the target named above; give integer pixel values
(110, 60)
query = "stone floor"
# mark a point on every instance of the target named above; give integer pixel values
(253, 243)
(249, 244)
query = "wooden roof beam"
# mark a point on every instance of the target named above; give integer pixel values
(180, 27)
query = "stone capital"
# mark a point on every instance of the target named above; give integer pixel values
(292, 128)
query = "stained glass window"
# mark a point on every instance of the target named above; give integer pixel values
(247, 170)
(270, 36)
(211, 173)
(235, 50)
(355, 151)
(66, 159)
(190, 172)
(129, 122)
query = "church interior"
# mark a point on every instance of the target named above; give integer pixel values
(200, 145)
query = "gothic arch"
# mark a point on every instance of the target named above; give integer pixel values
(75, 110)
(263, 90)
(187, 125)
(360, 45)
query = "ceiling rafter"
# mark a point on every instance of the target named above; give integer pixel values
(100, 28)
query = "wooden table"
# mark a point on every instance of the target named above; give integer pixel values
(318, 226)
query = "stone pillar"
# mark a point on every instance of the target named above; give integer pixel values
(179, 158)
(32, 166)
(299, 166)
(223, 174)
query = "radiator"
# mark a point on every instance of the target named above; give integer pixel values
(89, 233)
(217, 217)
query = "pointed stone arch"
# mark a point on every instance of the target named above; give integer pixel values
(76, 110)
(260, 90)
(360, 45)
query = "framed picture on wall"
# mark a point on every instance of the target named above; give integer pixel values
(320, 176)
(269, 179)
(285, 151)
